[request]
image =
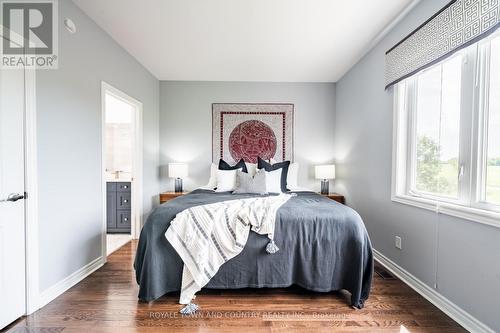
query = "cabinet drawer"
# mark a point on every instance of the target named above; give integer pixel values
(123, 187)
(123, 219)
(123, 200)
(110, 186)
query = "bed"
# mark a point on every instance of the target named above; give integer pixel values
(324, 246)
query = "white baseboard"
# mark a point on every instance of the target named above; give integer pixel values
(48, 295)
(456, 313)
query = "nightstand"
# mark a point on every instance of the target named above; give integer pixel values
(167, 196)
(337, 197)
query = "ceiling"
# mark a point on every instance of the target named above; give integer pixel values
(245, 40)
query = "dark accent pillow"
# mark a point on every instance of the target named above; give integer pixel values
(262, 164)
(223, 165)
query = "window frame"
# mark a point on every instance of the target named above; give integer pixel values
(470, 203)
(482, 121)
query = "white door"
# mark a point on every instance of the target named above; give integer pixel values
(12, 221)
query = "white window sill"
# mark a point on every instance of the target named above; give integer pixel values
(472, 214)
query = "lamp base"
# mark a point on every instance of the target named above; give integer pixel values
(178, 185)
(325, 184)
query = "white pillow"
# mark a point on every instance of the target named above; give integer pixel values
(273, 180)
(226, 180)
(292, 179)
(212, 182)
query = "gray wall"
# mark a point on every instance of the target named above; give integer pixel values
(69, 142)
(186, 123)
(462, 257)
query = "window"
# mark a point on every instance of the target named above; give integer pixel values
(437, 129)
(447, 134)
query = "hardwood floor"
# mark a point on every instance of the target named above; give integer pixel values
(106, 301)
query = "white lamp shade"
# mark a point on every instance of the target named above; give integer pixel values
(325, 171)
(177, 170)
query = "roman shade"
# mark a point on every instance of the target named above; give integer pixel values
(457, 25)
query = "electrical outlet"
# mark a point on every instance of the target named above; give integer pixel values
(397, 242)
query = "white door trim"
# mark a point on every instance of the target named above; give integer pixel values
(31, 188)
(137, 188)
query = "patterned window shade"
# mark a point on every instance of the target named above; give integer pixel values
(457, 25)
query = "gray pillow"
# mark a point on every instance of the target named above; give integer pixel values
(245, 183)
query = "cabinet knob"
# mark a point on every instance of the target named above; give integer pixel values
(125, 200)
(125, 219)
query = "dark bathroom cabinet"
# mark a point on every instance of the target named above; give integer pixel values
(118, 207)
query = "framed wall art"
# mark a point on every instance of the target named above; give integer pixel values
(248, 131)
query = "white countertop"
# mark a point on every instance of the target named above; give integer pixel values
(113, 180)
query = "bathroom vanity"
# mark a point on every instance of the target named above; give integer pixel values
(118, 207)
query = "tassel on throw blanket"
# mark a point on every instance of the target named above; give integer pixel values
(207, 236)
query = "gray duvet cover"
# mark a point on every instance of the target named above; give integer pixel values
(323, 246)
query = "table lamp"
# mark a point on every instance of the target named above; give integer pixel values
(178, 171)
(325, 173)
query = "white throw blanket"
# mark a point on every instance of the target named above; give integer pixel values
(207, 236)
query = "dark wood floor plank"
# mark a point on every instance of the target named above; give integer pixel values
(106, 301)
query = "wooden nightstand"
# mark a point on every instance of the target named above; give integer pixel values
(167, 196)
(337, 197)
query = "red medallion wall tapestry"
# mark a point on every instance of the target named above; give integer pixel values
(251, 130)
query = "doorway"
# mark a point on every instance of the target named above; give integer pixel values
(121, 169)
